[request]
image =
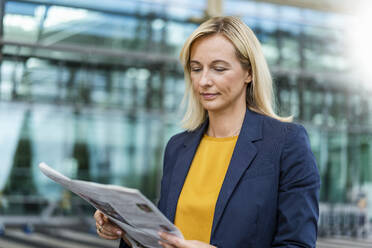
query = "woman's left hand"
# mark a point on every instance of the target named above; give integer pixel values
(172, 241)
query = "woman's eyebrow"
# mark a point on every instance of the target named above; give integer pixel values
(220, 61)
(194, 61)
(213, 62)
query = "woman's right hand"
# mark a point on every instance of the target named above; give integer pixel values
(106, 229)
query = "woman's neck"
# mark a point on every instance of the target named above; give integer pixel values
(225, 124)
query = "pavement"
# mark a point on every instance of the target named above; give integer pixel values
(64, 238)
(53, 238)
(342, 242)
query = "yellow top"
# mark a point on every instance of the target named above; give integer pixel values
(195, 208)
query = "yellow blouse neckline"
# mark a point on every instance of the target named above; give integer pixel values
(220, 139)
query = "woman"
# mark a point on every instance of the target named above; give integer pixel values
(239, 176)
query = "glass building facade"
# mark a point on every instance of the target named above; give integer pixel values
(93, 88)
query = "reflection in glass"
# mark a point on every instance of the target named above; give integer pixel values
(19, 181)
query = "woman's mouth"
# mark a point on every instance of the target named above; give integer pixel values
(209, 96)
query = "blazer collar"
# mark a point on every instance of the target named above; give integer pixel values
(195, 136)
(251, 129)
(252, 126)
(243, 154)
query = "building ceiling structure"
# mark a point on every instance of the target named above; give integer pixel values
(336, 6)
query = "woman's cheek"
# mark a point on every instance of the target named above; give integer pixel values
(194, 85)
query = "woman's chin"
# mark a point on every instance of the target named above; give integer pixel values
(212, 107)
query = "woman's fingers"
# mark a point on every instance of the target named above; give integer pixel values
(98, 216)
(170, 241)
(112, 229)
(109, 231)
(105, 236)
(105, 228)
(165, 245)
(105, 218)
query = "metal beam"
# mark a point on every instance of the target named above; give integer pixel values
(93, 51)
(150, 16)
(336, 6)
(37, 220)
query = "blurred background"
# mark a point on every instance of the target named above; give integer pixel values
(83, 84)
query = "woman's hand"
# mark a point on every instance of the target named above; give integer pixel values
(106, 229)
(172, 241)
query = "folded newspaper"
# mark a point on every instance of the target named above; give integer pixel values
(126, 207)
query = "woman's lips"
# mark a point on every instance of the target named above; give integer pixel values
(209, 96)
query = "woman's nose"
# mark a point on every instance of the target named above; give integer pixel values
(205, 79)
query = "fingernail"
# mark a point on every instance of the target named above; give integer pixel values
(118, 232)
(100, 222)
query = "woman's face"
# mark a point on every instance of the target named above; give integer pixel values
(217, 77)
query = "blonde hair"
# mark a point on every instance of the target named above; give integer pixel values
(260, 97)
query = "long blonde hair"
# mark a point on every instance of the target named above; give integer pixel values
(260, 97)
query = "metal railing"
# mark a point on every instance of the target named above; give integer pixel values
(346, 220)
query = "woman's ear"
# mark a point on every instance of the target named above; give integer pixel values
(248, 79)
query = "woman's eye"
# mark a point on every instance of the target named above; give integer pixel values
(195, 69)
(220, 69)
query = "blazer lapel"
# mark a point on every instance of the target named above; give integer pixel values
(244, 152)
(182, 167)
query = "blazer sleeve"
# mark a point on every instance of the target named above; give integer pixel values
(298, 197)
(123, 244)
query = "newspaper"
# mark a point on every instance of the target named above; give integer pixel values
(128, 208)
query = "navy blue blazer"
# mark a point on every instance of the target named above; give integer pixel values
(269, 197)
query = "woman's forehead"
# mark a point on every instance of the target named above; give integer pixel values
(213, 47)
